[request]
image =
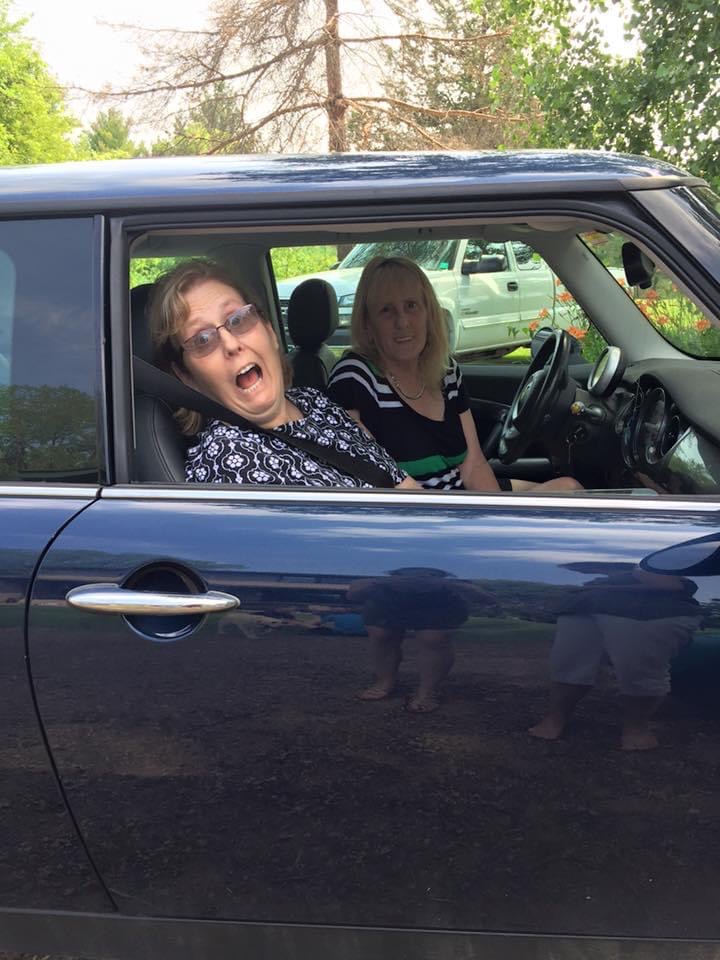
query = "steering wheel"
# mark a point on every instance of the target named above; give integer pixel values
(542, 386)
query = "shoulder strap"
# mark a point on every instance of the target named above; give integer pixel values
(156, 383)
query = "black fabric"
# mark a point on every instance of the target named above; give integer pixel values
(160, 447)
(312, 318)
(312, 314)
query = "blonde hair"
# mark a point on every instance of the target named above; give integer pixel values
(169, 311)
(434, 359)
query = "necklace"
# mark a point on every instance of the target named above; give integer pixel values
(408, 396)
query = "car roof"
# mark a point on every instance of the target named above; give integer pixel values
(216, 181)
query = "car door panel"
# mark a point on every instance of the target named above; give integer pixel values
(42, 862)
(230, 771)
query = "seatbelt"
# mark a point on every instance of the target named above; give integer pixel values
(154, 382)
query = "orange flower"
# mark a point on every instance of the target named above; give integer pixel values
(543, 314)
(662, 320)
(652, 295)
(558, 282)
(703, 324)
(565, 297)
(533, 325)
(641, 307)
(576, 332)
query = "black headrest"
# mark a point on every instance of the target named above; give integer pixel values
(312, 313)
(139, 301)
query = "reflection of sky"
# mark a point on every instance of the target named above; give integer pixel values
(478, 543)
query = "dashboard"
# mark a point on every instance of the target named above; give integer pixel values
(659, 439)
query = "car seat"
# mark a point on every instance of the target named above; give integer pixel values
(312, 318)
(159, 445)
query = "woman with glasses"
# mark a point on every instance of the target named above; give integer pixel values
(208, 332)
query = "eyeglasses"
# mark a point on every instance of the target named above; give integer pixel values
(203, 342)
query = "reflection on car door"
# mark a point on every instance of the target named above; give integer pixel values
(224, 768)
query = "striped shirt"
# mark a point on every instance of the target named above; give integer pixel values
(431, 451)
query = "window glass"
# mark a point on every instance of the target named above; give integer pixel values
(525, 257)
(666, 307)
(49, 352)
(428, 254)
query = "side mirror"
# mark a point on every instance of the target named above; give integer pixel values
(486, 264)
(639, 268)
(699, 557)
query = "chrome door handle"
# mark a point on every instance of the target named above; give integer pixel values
(110, 598)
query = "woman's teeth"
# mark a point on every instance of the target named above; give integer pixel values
(249, 377)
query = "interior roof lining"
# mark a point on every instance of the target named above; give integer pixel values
(162, 242)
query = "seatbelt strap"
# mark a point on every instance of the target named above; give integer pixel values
(154, 382)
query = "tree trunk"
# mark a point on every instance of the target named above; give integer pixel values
(336, 107)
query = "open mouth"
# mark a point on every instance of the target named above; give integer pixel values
(249, 377)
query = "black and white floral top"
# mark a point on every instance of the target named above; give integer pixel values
(227, 454)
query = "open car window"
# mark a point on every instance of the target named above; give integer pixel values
(504, 287)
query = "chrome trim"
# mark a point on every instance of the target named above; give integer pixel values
(53, 491)
(111, 598)
(398, 498)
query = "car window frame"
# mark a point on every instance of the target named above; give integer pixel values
(617, 213)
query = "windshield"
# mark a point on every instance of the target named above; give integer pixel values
(673, 314)
(428, 254)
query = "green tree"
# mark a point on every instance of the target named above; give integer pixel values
(214, 125)
(34, 123)
(663, 101)
(452, 93)
(109, 137)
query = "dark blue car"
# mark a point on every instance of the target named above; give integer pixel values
(186, 768)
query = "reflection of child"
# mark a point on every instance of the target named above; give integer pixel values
(638, 621)
(414, 598)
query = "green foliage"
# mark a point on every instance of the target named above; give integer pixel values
(296, 261)
(214, 125)
(149, 269)
(463, 87)
(34, 123)
(664, 101)
(109, 138)
(48, 431)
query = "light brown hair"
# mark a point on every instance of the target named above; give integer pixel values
(169, 311)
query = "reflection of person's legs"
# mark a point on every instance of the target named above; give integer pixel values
(575, 659)
(435, 658)
(640, 652)
(386, 654)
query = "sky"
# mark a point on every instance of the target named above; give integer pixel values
(85, 48)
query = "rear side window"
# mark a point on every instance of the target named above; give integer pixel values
(49, 352)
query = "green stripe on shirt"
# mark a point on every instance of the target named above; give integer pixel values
(430, 465)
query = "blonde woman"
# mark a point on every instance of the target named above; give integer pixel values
(399, 382)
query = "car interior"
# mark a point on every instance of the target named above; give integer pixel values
(626, 375)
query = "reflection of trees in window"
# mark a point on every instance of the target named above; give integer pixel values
(47, 433)
(429, 254)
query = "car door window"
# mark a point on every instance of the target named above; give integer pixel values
(48, 352)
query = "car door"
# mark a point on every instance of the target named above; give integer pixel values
(536, 283)
(221, 766)
(488, 299)
(50, 467)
